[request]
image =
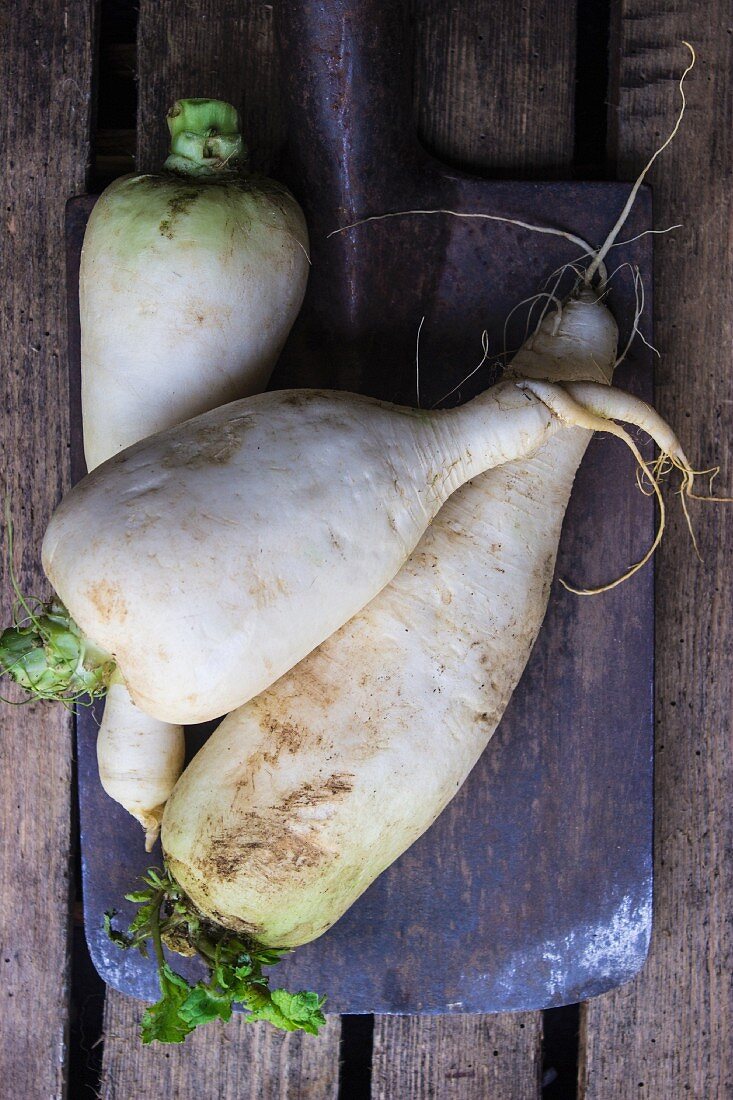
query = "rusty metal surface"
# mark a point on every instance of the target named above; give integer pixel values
(534, 887)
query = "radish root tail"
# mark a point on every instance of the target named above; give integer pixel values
(595, 267)
(570, 411)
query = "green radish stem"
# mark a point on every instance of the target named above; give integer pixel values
(234, 965)
(205, 138)
(44, 650)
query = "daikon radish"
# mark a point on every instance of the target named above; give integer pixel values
(190, 281)
(212, 557)
(303, 796)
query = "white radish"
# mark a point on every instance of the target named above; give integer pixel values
(190, 281)
(303, 796)
(212, 557)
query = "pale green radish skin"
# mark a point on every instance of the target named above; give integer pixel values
(212, 557)
(190, 281)
(188, 290)
(305, 795)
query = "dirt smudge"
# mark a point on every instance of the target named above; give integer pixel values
(207, 445)
(178, 205)
(108, 601)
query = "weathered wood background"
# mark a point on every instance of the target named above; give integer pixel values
(494, 91)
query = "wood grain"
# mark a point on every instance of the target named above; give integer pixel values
(458, 1058)
(222, 49)
(480, 105)
(46, 90)
(238, 1061)
(669, 1033)
(494, 84)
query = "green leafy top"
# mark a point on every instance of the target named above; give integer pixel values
(44, 651)
(167, 917)
(47, 655)
(205, 139)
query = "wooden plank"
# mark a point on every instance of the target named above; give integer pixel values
(47, 76)
(479, 104)
(238, 1061)
(222, 49)
(494, 85)
(458, 1058)
(670, 1031)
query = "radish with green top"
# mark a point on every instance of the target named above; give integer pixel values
(190, 282)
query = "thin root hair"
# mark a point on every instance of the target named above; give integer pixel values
(595, 267)
(638, 311)
(533, 299)
(476, 369)
(546, 229)
(417, 360)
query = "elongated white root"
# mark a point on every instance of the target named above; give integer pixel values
(593, 406)
(139, 759)
(611, 403)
